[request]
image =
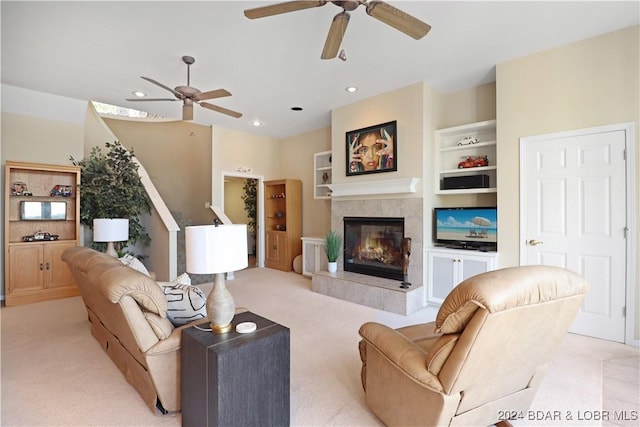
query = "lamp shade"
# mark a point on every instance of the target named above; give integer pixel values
(110, 230)
(214, 249)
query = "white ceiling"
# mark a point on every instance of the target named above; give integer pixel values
(97, 51)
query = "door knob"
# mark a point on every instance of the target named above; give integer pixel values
(534, 242)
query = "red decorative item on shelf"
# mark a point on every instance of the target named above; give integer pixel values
(471, 162)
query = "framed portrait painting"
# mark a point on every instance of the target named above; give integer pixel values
(372, 149)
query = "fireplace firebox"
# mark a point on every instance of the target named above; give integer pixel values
(373, 246)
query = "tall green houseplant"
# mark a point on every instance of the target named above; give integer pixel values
(111, 188)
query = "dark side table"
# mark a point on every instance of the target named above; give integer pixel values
(236, 379)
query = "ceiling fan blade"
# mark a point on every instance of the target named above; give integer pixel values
(336, 33)
(398, 19)
(187, 110)
(276, 9)
(221, 110)
(176, 93)
(151, 99)
(218, 93)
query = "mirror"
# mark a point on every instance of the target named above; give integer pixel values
(43, 211)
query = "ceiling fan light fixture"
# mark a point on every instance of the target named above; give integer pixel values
(256, 123)
(351, 89)
(139, 93)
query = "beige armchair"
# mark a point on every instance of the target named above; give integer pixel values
(485, 354)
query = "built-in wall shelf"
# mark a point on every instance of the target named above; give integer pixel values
(364, 188)
(456, 158)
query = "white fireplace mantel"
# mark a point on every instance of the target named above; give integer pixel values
(386, 186)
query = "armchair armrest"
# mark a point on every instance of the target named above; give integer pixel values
(400, 351)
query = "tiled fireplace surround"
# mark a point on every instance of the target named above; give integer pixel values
(384, 294)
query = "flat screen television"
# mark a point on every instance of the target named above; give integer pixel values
(466, 228)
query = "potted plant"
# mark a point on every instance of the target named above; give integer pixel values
(111, 188)
(333, 243)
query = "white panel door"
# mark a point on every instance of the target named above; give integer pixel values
(574, 216)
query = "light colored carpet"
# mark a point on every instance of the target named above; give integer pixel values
(55, 374)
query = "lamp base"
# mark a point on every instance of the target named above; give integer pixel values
(111, 250)
(221, 329)
(220, 306)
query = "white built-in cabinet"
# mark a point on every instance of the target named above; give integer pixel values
(451, 150)
(322, 175)
(314, 258)
(448, 267)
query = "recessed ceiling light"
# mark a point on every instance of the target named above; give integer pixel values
(351, 89)
(296, 108)
(139, 93)
(256, 123)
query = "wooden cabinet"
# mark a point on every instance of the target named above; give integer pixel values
(283, 222)
(448, 267)
(322, 175)
(39, 198)
(452, 149)
(314, 257)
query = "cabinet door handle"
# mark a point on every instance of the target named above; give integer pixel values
(41, 267)
(47, 266)
(275, 246)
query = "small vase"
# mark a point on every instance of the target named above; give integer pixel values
(333, 267)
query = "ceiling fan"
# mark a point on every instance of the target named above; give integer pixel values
(190, 95)
(378, 9)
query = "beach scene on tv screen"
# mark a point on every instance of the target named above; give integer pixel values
(467, 225)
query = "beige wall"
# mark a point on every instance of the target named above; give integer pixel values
(232, 149)
(590, 83)
(177, 157)
(406, 106)
(296, 159)
(233, 203)
(40, 140)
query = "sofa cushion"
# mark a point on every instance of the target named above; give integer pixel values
(133, 262)
(185, 303)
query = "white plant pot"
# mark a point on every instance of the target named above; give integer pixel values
(333, 267)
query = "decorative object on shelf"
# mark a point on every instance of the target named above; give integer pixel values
(473, 162)
(278, 196)
(111, 188)
(62, 190)
(217, 249)
(333, 243)
(111, 230)
(468, 140)
(40, 236)
(43, 211)
(325, 177)
(278, 214)
(19, 188)
(372, 149)
(406, 253)
(281, 227)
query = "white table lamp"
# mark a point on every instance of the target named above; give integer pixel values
(212, 249)
(110, 230)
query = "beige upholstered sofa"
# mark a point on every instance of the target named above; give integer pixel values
(128, 315)
(482, 359)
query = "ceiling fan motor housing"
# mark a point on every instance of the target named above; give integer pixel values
(187, 91)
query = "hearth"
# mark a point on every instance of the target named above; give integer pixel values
(373, 246)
